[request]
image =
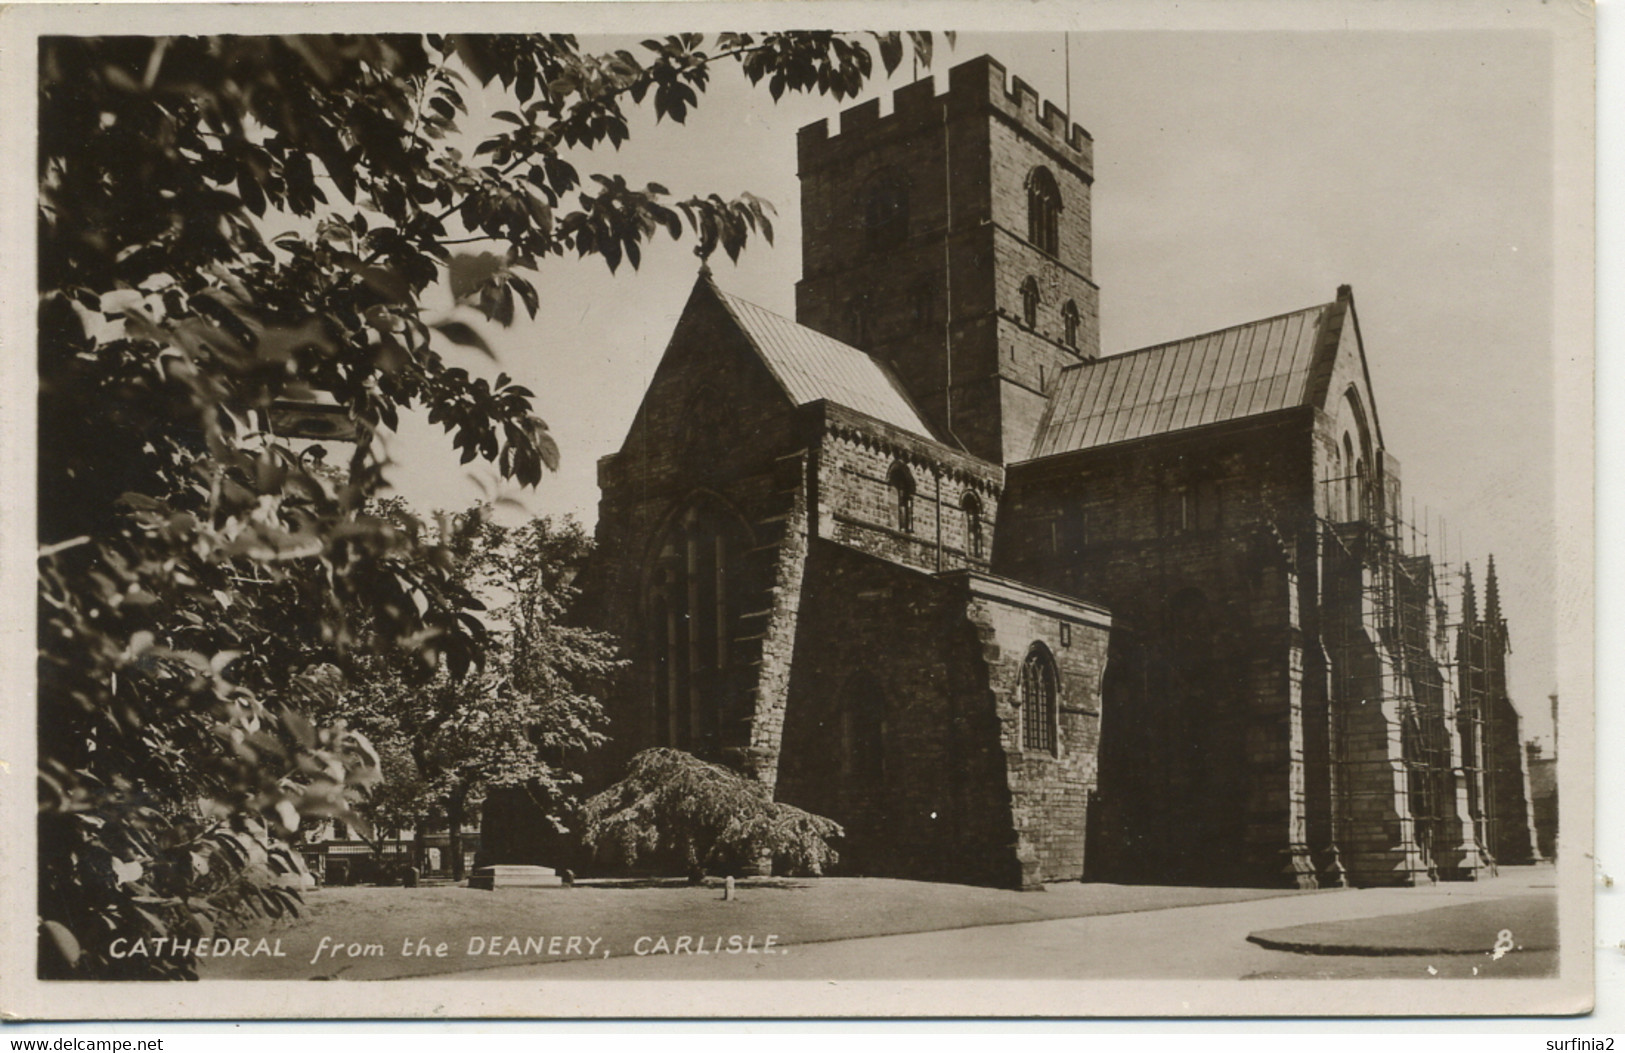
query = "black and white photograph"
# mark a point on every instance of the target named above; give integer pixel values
(665, 510)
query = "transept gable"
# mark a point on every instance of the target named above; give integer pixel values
(733, 360)
(1340, 382)
(709, 380)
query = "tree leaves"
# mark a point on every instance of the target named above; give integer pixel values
(465, 334)
(180, 525)
(727, 224)
(63, 942)
(460, 729)
(468, 273)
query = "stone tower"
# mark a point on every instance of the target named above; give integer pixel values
(951, 239)
(1501, 797)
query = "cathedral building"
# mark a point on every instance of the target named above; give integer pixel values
(924, 561)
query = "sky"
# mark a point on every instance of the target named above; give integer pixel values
(1237, 175)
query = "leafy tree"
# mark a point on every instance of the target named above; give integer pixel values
(675, 810)
(197, 575)
(525, 719)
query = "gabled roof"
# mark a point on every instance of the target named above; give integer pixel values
(1243, 371)
(810, 366)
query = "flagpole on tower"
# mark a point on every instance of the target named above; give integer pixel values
(1067, 45)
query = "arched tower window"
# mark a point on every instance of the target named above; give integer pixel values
(901, 481)
(974, 541)
(694, 605)
(863, 728)
(1038, 690)
(1043, 210)
(1069, 323)
(925, 302)
(1029, 302)
(857, 322)
(885, 211)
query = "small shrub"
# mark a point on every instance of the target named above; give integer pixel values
(686, 815)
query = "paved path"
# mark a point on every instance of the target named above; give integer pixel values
(1197, 942)
(387, 933)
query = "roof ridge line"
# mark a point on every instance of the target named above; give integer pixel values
(734, 304)
(1204, 336)
(725, 294)
(728, 300)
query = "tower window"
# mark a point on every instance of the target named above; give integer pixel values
(974, 543)
(1044, 211)
(1069, 322)
(902, 487)
(1038, 682)
(857, 322)
(885, 212)
(925, 303)
(1029, 302)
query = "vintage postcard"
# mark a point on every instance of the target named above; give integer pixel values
(733, 510)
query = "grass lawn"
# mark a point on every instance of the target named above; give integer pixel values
(1530, 923)
(1454, 943)
(374, 927)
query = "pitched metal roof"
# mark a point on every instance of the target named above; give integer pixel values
(810, 366)
(1243, 371)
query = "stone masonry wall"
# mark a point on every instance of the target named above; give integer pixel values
(713, 427)
(858, 506)
(1365, 780)
(1049, 791)
(937, 807)
(1188, 540)
(1515, 840)
(943, 305)
(956, 797)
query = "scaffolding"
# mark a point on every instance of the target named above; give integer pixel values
(1400, 636)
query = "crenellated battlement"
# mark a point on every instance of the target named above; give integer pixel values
(981, 85)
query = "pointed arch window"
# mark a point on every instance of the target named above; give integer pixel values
(1332, 488)
(974, 540)
(1043, 210)
(925, 303)
(1351, 502)
(695, 590)
(901, 481)
(1029, 302)
(1069, 324)
(885, 211)
(1038, 703)
(857, 322)
(1364, 497)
